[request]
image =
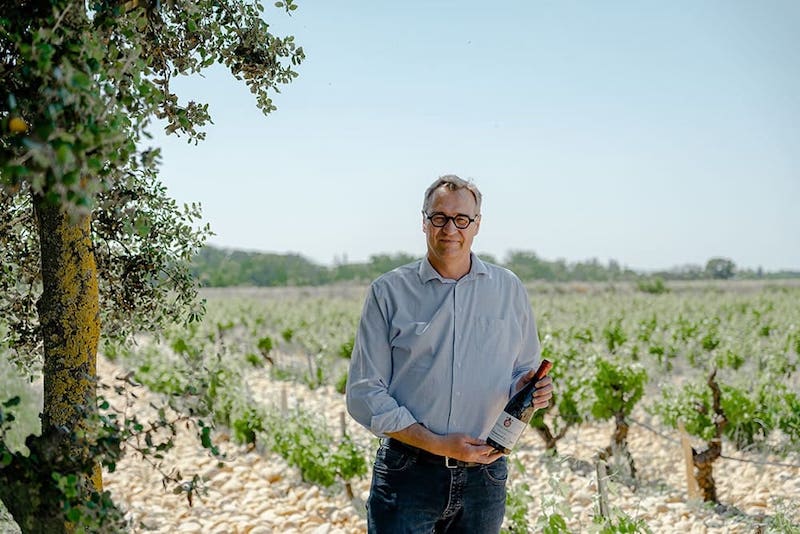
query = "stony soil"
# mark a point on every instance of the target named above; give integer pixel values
(257, 492)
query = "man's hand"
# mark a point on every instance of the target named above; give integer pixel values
(467, 449)
(544, 389)
(457, 446)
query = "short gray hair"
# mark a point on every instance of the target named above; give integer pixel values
(451, 182)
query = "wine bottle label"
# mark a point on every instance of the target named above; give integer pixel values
(507, 430)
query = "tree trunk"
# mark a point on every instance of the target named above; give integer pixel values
(704, 474)
(619, 446)
(69, 311)
(703, 461)
(70, 324)
(549, 439)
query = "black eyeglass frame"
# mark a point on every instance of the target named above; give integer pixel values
(448, 218)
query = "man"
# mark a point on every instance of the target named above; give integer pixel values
(442, 345)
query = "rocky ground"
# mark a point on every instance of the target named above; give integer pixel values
(255, 491)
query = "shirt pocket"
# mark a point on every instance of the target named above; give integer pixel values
(497, 337)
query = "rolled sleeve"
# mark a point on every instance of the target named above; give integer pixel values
(367, 394)
(392, 421)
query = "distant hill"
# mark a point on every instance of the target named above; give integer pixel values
(218, 267)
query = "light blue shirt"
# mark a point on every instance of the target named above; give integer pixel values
(444, 353)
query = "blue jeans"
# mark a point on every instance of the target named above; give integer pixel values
(412, 492)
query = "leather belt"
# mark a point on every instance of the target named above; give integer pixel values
(425, 456)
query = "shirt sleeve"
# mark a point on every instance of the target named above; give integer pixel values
(367, 393)
(530, 354)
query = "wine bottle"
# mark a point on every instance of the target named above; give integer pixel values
(517, 414)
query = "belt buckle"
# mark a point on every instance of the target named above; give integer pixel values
(447, 462)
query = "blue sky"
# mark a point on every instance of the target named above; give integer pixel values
(654, 133)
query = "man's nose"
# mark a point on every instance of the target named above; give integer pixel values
(450, 226)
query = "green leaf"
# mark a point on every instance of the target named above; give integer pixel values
(205, 437)
(13, 401)
(64, 154)
(73, 515)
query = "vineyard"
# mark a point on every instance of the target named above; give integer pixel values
(638, 370)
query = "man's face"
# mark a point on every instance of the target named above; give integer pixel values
(448, 244)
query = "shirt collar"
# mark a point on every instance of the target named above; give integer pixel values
(428, 273)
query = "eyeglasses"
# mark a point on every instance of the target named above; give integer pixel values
(440, 220)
